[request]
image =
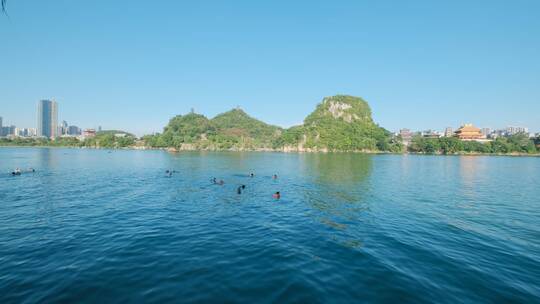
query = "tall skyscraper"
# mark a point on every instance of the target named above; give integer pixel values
(48, 118)
(63, 130)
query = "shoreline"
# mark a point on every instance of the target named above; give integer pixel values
(173, 150)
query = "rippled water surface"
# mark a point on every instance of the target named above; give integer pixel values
(109, 226)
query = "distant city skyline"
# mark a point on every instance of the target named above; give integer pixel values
(50, 115)
(412, 61)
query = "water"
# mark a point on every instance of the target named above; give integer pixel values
(108, 226)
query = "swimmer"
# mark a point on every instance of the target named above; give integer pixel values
(276, 195)
(274, 176)
(239, 190)
(221, 182)
(16, 172)
(251, 175)
(214, 181)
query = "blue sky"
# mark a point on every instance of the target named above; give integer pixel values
(132, 65)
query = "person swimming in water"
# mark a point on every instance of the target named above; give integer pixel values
(274, 176)
(216, 182)
(251, 175)
(277, 195)
(239, 190)
(16, 172)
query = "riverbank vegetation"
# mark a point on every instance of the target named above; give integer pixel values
(519, 143)
(104, 139)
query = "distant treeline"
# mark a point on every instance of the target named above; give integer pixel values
(519, 143)
(105, 139)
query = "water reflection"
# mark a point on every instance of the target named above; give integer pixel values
(338, 169)
(47, 158)
(471, 169)
(338, 196)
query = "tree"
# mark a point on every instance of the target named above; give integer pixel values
(450, 145)
(521, 143)
(500, 145)
(417, 144)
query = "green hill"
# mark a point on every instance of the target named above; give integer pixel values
(236, 129)
(230, 130)
(339, 123)
(186, 129)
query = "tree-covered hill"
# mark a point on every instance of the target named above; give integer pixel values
(339, 123)
(230, 130)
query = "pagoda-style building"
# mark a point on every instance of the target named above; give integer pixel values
(469, 132)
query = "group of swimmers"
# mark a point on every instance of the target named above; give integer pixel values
(215, 181)
(18, 171)
(170, 172)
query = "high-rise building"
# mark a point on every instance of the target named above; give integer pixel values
(74, 131)
(25, 132)
(48, 118)
(516, 130)
(63, 130)
(8, 130)
(32, 132)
